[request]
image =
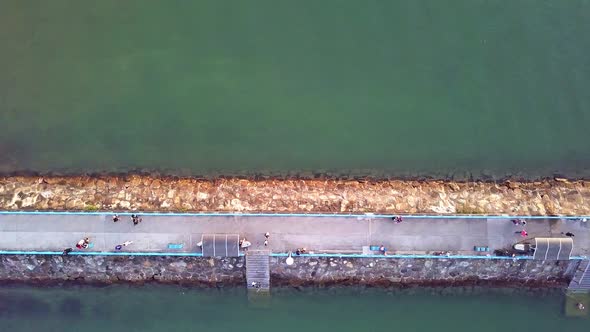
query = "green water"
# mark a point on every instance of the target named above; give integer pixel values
(158, 308)
(381, 87)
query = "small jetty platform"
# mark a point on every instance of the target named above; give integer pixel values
(258, 270)
(581, 281)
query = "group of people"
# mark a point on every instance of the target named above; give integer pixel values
(82, 244)
(300, 251)
(85, 242)
(244, 244)
(136, 219)
(524, 233)
(520, 222)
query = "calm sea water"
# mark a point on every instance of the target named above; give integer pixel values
(159, 308)
(382, 87)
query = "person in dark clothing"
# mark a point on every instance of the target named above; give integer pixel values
(570, 234)
(115, 218)
(136, 219)
(67, 251)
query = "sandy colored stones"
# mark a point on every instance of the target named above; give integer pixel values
(137, 192)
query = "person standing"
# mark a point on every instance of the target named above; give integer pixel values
(136, 219)
(267, 237)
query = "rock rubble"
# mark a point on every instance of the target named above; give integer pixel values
(306, 271)
(148, 193)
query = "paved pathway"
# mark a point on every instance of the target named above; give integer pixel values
(52, 232)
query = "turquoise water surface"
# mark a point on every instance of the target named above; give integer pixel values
(172, 308)
(453, 88)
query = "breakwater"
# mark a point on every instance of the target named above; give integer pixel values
(306, 271)
(148, 193)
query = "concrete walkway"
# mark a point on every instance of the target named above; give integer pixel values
(51, 232)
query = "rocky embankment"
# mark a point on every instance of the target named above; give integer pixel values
(306, 271)
(388, 272)
(147, 193)
(100, 270)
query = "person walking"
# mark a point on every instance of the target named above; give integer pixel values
(67, 251)
(115, 218)
(524, 233)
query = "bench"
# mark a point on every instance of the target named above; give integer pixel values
(175, 245)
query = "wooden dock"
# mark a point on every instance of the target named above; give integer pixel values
(258, 270)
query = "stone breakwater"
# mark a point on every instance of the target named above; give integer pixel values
(307, 271)
(147, 193)
(388, 272)
(122, 269)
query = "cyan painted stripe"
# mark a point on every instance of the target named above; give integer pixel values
(299, 215)
(93, 253)
(417, 256)
(403, 256)
(189, 254)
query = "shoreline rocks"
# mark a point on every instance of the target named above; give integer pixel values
(149, 193)
(321, 272)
